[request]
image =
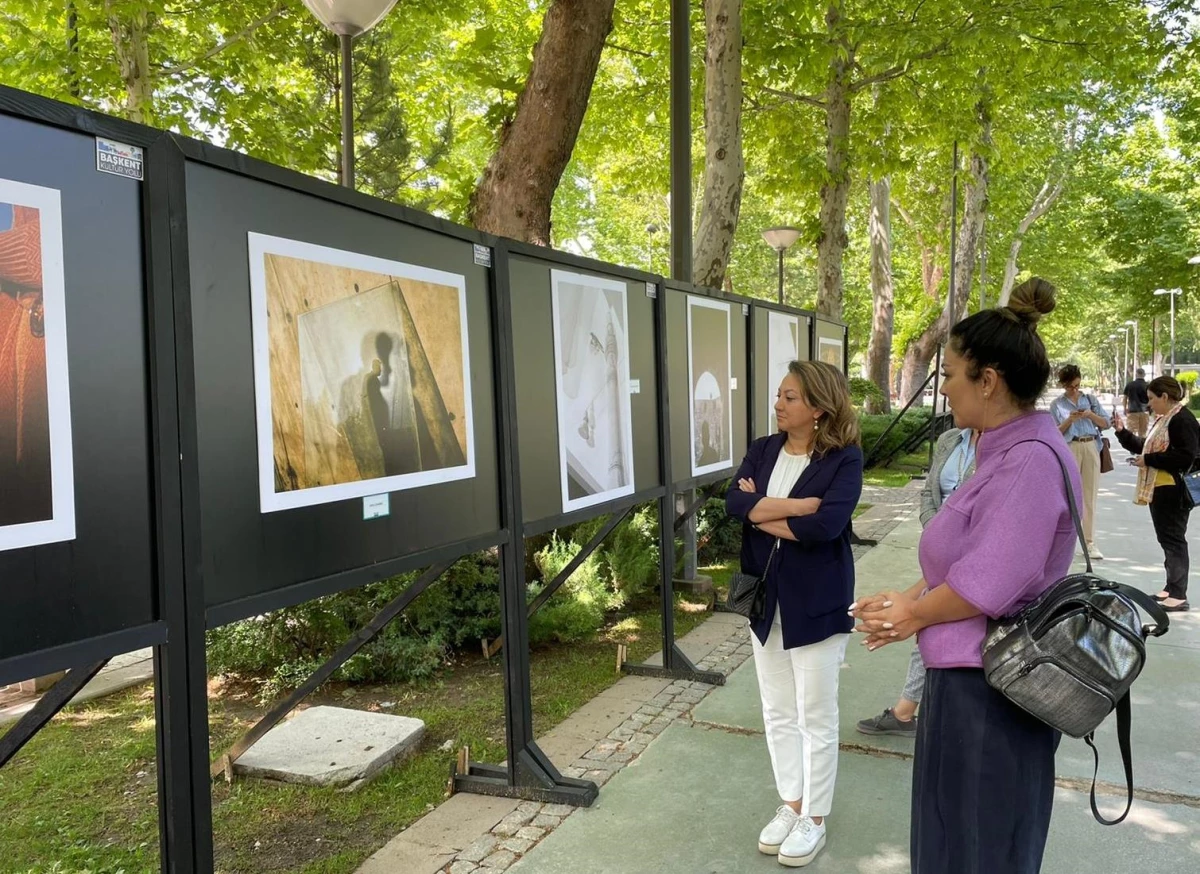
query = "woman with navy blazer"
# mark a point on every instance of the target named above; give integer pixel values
(795, 493)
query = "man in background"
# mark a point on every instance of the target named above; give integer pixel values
(1136, 404)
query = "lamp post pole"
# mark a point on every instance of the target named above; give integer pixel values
(347, 19)
(1173, 292)
(781, 239)
(346, 41)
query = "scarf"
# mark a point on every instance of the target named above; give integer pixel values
(1156, 441)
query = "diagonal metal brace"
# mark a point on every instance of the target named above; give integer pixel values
(224, 765)
(565, 574)
(59, 695)
(694, 508)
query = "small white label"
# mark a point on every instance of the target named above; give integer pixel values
(635, 386)
(375, 506)
(745, 309)
(733, 383)
(483, 255)
(119, 159)
(651, 290)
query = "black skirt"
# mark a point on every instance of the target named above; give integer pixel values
(983, 780)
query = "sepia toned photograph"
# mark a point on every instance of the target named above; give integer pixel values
(783, 347)
(362, 374)
(709, 371)
(830, 351)
(595, 421)
(37, 491)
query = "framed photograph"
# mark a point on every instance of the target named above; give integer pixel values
(783, 347)
(831, 352)
(709, 369)
(37, 479)
(361, 372)
(591, 373)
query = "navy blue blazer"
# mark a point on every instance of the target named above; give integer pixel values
(811, 578)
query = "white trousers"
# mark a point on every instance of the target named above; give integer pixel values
(799, 689)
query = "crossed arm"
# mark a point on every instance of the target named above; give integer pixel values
(771, 514)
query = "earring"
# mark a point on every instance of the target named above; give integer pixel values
(816, 424)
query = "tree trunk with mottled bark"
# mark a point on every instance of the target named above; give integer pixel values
(1049, 193)
(835, 192)
(130, 28)
(724, 165)
(879, 350)
(514, 197)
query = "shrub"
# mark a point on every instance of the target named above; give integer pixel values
(863, 390)
(631, 556)
(909, 424)
(1187, 379)
(577, 609)
(718, 533)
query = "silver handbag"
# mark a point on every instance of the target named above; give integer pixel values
(1070, 656)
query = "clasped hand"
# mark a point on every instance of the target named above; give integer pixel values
(885, 618)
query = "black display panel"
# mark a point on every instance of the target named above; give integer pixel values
(829, 343)
(579, 368)
(692, 458)
(256, 555)
(95, 576)
(780, 335)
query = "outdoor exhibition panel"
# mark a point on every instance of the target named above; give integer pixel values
(781, 336)
(344, 413)
(829, 343)
(78, 555)
(707, 382)
(587, 400)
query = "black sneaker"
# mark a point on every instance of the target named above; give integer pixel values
(887, 723)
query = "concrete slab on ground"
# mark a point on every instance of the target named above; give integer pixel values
(674, 810)
(331, 746)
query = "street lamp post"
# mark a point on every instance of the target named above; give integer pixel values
(781, 239)
(1125, 359)
(347, 19)
(1134, 360)
(1173, 292)
(1116, 358)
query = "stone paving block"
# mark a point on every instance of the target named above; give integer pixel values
(544, 820)
(517, 845)
(499, 860)
(597, 777)
(531, 833)
(558, 810)
(480, 849)
(621, 756)
(463, 867)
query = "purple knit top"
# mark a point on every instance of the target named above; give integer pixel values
(1001, 539)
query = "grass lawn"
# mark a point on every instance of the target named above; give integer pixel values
(81, 797)
(899, 472)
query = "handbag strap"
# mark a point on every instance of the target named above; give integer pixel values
(1162, 620)
(1124, 722)
(1070, 500)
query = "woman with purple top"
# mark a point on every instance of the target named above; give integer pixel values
(983, 776)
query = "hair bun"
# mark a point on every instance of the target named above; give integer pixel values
(1032, 299)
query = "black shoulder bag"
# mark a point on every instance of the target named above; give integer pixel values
(748, 593)
(1070, 657)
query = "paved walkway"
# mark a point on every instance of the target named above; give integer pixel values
(686, 778)
(123, 671)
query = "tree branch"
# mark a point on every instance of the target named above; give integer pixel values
(898, 70)
(226, 43)
(789, 97)
(627, 50)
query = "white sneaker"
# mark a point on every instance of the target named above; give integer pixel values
(1095, 553)
(802, 844)
(773, 835)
